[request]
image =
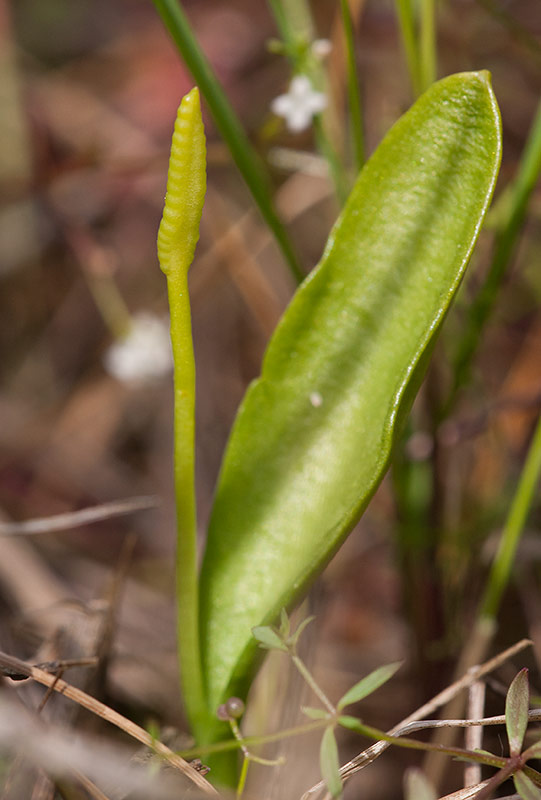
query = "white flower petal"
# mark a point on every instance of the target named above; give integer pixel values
(300, 87)
(317, 102)
(298, 119)
(300, 104)
(282, 105)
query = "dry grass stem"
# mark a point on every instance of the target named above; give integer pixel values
(108, 714)
(468, 793)
(75, 760)
(73, 519)
(473, 738)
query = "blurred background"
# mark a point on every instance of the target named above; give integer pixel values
(88, 96)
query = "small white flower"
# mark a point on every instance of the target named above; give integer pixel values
(316, 399)
(321, 49)
(300, 104)
(145, 352)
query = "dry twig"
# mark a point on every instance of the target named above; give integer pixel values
(73, 519)
(108, 714)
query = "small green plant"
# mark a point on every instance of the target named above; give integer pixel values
(527, 780)
(331, 716)
(316, 432)
(314, 435)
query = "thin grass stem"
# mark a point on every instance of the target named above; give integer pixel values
(293, 19)
(513, 528)
(354, 89)
(243, 775)
(484, 628)
(504, 247)
(406, 20)
(307, 675)
(427, 57)
(334, 164)
(294, 22)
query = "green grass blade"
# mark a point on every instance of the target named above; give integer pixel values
(293, 19)
(334, 164)
(427, 60)
(354, 89)
(248, 162)
(513, 528)
(505, 244)
(406, 20)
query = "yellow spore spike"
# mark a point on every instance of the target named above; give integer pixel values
(186, 184)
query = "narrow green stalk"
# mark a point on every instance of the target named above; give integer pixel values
(253, 741)
(513, 528)
(506, 241)
(248, 162)
(356, 725)
(354, 89)
(280, 19)
(294, 22)
(184, 420)
(299, 17)
(243, 775)
(406, 19)
(314, 686)
(334, 164)
(427, 59)
(177, 238)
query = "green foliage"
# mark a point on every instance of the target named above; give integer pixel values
(270, 638)
(177, 238)
(354, 91)
(526, 787)
(516, 711)
(534, 751)
(508, 235)
(329, 764)
(527, 781)
(351, 723)
(315, 713)
(368, 685)
(314, 434)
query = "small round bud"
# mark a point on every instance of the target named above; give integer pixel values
(222, 713)
(235, 707)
